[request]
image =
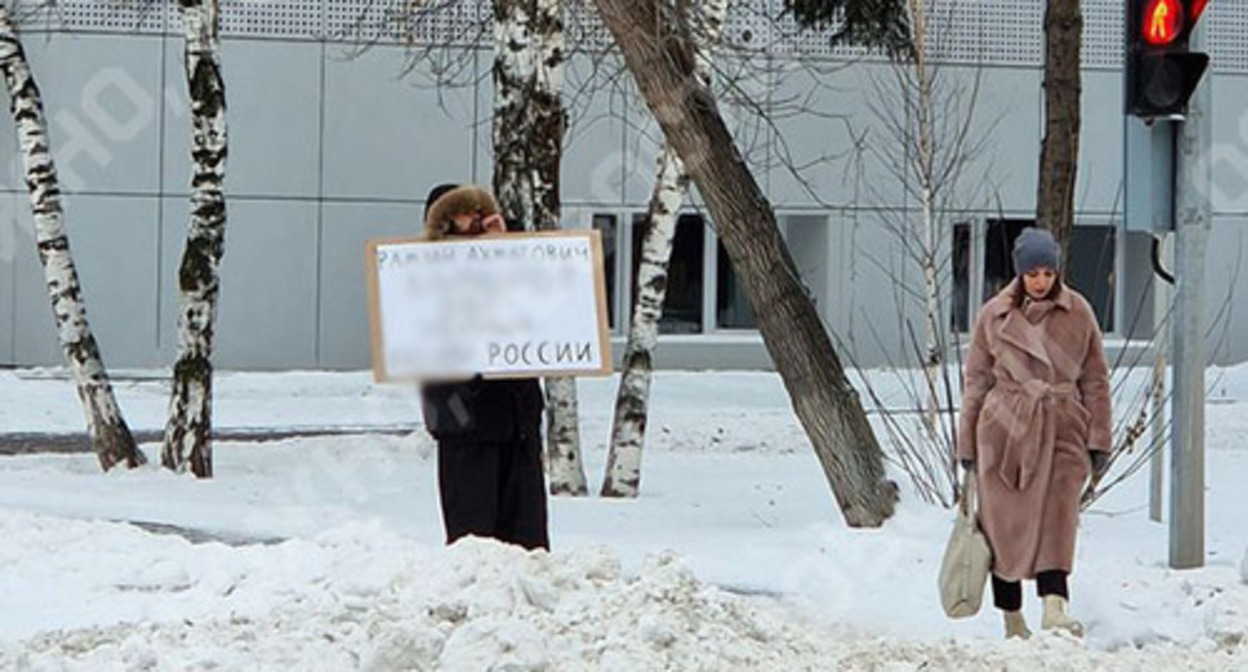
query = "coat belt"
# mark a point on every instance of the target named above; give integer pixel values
(1032, 430)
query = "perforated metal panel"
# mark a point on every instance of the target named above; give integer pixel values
(389, 21)
(989, 32)
(749, 26)
(139, 16)
(291, 19)
(992, 32)
(1103, 37)
(265, 18)
(787, 38)
(1227, 36)
(582, 29)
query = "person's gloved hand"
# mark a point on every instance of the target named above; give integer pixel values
(1100, 460)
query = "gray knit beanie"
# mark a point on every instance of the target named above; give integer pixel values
(1035, 248)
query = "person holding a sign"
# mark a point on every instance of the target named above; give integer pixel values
(490, 476)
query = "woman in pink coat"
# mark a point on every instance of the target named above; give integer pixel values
(1035, 424)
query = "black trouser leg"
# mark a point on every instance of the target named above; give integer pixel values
(468, 474)
(522, 495)
(1052, 582)
(1006, 595)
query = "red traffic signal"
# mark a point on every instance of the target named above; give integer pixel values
(1163, 21)
(1161, 73)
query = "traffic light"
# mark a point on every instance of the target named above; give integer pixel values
(1161, 73)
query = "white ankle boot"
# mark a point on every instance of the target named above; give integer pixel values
(1016, 625)
(1055, 616)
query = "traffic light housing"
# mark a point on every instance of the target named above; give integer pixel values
(1161, 72)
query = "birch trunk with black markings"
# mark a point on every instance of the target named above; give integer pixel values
(529, 122)
(563, 433)
(110, 436)
(188, 434)
(628, 430)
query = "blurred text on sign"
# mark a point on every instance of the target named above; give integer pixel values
(517, 304)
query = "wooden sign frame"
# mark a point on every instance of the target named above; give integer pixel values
(377, 334)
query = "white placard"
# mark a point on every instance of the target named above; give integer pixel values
(509, 305)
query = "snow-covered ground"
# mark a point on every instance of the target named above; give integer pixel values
(325, 553)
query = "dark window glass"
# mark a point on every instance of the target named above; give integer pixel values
(999, 254)
(682, 309)
(1089, 263)
(732, 307)
(1091, 269)
(960, 313)
(608, 225)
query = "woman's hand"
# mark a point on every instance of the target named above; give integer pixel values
(1100, 460)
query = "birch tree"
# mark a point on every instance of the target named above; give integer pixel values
(628, 430)
(188, 434)
(926, 113)
(528, 139)
(110, 436)
(1059, 153)
(662, 60)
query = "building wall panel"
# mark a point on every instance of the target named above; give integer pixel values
(343, 328)
(102, 97)
(267, 311)
(113, 243)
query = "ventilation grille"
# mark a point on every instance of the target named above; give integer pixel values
(291, 19)
(439, 23)
(987, 32)
(1227, 30)
(1103, 37)
(137, 16)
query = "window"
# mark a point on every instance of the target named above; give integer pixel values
(608, 225)
(960, 315)
(732, 306)
(1090, 266)
(688, 307)
(1091, 269)
(682, 309)
(999, 254)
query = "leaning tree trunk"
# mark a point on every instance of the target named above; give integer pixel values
(628, 431)
(663, 62)
(110, 436)
(188, 436)
(528, 141)
(1059, 154)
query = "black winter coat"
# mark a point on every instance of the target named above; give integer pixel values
(480, 410)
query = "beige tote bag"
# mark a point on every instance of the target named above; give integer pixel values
(968, 558)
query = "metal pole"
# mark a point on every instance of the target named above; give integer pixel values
(1192, 220)
(1161, 345)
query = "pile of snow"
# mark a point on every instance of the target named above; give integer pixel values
(359, 597)
(325, 553)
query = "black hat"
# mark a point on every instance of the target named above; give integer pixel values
(436, 193)
(1035, 248)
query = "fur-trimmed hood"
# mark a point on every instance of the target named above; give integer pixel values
(460, 200)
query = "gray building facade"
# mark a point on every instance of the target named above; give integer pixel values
(339, 126)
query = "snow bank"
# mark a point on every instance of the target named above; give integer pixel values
(359, 597)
